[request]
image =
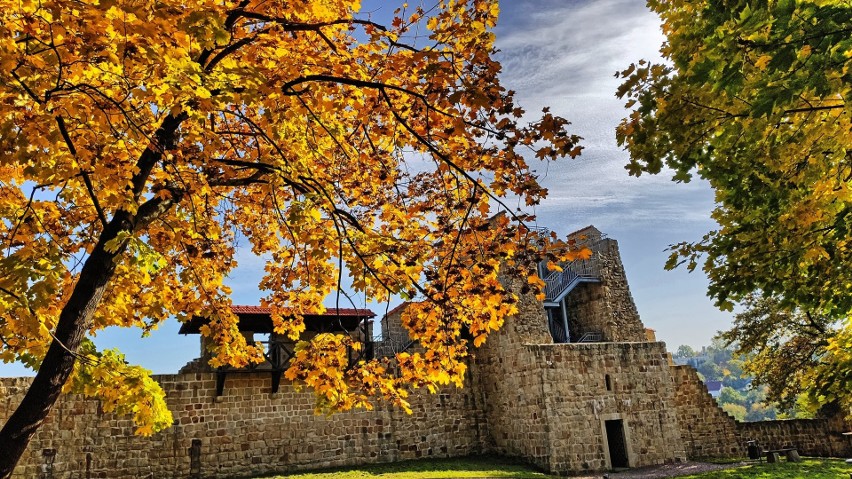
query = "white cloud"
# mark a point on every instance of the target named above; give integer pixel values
(558, 47)
(564, 54)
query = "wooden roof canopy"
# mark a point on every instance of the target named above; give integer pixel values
(257, 319)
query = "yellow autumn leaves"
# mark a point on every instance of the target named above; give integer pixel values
(172, 133)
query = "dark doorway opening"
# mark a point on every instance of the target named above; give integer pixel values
(617, 444)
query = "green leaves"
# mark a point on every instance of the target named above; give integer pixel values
(758, 104)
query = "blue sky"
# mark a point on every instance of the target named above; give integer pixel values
(562, 54)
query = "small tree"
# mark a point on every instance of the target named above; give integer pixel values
(710, 370)
(141, 141)
(786, 349)
(685, 351)
(730, 396)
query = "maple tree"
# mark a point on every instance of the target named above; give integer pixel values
(756, 98)
(140, 141)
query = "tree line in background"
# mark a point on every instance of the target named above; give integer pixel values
(742, 394)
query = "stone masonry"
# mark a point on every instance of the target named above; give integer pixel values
(606, 307)
(551, 401)
(708, 431)
(248, 431)
(565, 408)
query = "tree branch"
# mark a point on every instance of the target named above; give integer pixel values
(814, 108)
(63, 130)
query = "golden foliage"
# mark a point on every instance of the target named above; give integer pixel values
(152, 137)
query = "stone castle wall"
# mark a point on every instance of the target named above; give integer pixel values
(812, 437)
(395, 337)
(585, 312)
(708, 431)
(514, 404)
(525, 397)
(551, 400)
(625, 325)
(605, 307)
(584, 385)
(247, 431)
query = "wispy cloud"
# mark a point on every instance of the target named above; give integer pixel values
(555, 47)
(564, 54)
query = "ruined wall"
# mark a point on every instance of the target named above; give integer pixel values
(246, 431)
(578, 402)
(525, 397)
(626, 323)
(512, 386)
(392, 328)
(708, 431)
(547, 403)
(606, 307)
(586, 311)
(812, 437)
(395, 337)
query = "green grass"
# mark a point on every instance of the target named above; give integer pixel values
(494, 466)
(807, 469)
(467, 467)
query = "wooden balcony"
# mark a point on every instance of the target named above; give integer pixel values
(279, 350)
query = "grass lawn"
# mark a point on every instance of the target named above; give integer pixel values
(494, 466)
(810, 468)
(466, 467)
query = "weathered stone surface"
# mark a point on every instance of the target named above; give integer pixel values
(246, 431)
(708, 431)
(606, 307)
(395, 337)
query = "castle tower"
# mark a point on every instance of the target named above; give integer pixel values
(590, 299)
(572, 383)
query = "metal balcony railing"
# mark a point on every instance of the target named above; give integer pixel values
(560, 283)
(591, 337)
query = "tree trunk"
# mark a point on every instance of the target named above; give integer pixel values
(76, 316)
(74, 320)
